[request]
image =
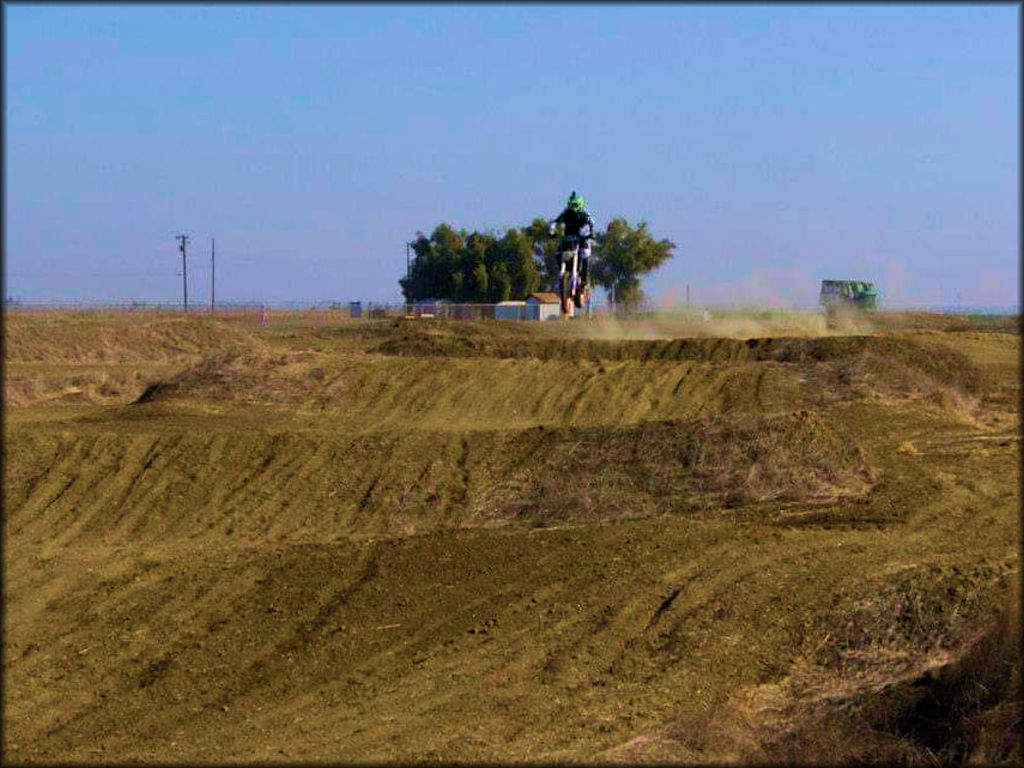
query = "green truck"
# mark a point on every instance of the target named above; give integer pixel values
(857, 294)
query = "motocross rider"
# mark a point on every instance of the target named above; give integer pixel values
(575, 219)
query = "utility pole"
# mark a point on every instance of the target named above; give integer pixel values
(213, 265)
(408, 273)
(182, 240)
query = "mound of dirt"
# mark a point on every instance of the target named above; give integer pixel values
(408, 381)
(117, 338)
(925, 351)
(672, 467)
(326, 486)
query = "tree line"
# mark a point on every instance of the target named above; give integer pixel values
(490, 267)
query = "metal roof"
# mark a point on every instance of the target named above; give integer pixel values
(544, 297)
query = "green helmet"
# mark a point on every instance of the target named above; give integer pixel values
(576, 203)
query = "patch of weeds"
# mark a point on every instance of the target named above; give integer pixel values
(965, 711)
(922, 608)
(534, 521)
(154, 670)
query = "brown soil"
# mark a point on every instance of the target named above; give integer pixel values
(490, 541)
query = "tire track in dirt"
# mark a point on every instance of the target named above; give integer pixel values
(241, 475)
(36, 511)
(210, 475)
(682, 379)
(460, 495)
(103, 506)
(284, 489)
(126, 474)
(758, 385)
(166, 489)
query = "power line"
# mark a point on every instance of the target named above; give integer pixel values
(76, 274)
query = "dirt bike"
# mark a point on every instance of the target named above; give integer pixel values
(573, 290)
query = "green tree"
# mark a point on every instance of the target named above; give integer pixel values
(516, 252)
(424, 270)
(471, 267)
(432, 272)
(545, 250)
(622, 254)
(483, 267)
(447, 241)
(478, 284)
(499, 283)
(477, 252)
(456, 286)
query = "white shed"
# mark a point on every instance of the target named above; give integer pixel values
(543, 306)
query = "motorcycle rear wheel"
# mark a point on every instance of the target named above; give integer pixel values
(568, 303)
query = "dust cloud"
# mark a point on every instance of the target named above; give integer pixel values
(718, 323)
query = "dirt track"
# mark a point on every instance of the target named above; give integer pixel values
(357, 542)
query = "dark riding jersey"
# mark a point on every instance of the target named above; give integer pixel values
(575, 221)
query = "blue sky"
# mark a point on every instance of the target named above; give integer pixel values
(776, 145)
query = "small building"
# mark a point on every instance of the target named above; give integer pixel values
(543, 305)
(510, 310)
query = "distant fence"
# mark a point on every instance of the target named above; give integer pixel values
(319, 313)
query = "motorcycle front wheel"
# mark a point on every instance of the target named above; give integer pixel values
(580, 297)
